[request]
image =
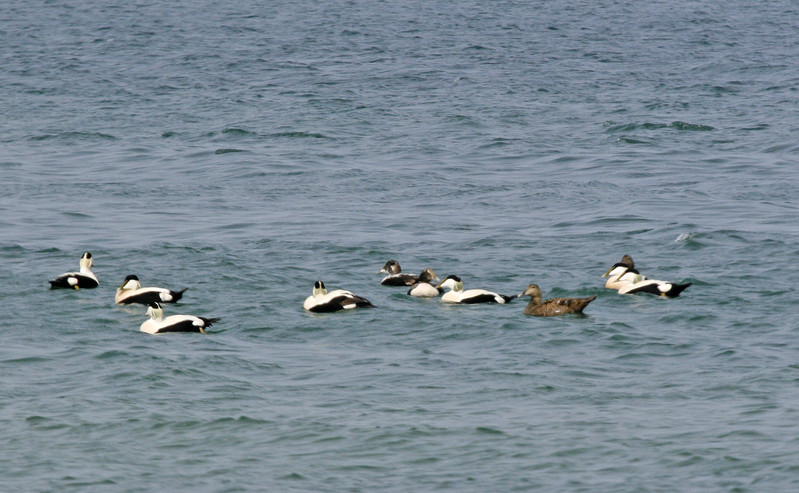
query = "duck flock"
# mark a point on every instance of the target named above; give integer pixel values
(622, 277)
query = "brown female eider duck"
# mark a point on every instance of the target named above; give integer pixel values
(552, 307)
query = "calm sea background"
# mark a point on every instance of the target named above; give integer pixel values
(245, 150)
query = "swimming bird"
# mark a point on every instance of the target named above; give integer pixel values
(395, 275)
(554, 306)
(622, 273)
(76, 280)
(321, 301)
(132, 292)
(653, 286)
(174, 323)
(627, 280)
(470, 296)
(423, 287)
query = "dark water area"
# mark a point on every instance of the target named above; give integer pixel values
(245, 151)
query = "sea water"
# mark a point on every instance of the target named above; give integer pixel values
(245, 150)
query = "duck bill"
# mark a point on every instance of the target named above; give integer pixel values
(623, 272)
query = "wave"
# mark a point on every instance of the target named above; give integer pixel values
(613, 127)
(73, 136)
(228, 151)
(299, 135)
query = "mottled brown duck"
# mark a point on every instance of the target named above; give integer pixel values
(552, 307)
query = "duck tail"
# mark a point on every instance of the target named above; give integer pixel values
(363, 303)
(177, 295)
(678, 288)
(581, 303)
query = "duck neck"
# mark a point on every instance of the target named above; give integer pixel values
(535, 300)
(156, 314)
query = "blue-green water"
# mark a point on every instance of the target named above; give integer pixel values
(246, 150)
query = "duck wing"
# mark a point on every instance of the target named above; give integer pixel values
(658, 288)
(559, 306)
(399, 280)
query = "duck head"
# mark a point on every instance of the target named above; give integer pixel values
(130, 282)
(86, 261)
(391, 267)
(319, 289)
(532, 290)
(452, 282)
(625, 265)
(428, 275)
(155, 312)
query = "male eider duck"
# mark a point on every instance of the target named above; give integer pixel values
(395, 275)
(622, 273)
(653, 286)
(627, 280)
(470, 296)
(423, 287)
(77, 280)
(132, 292)
(552, 307)
(174, 323)
(321, 301)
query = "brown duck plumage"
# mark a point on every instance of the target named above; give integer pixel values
(555, 306)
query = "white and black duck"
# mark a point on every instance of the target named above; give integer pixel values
(622, 273)
(395, 275)
(654, 286)
(157, 324)
(321, 301)
(423, 287)
(470, 296)
(83, 279)
(627, 280)
(132, 292)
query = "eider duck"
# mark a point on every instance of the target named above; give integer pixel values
(627, 280)
(77, 280)
(470, 296)
(653, 286)
(554, 306)
(622, 273)
(321, 301)
(132, 292)
(174, 323)
(395, 275)
(423, 287)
